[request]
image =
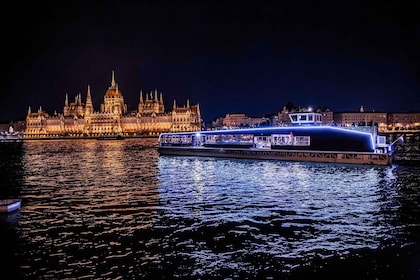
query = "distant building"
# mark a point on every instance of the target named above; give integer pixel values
(361, 118)
(80, 120)
(327, 116)
(238, 120)
(217, 123)
(385, 122)
(403, 121)
(241, 120)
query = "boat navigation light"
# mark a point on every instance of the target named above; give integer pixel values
(198, 134)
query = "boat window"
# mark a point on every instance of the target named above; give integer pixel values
(245, 138)
(381, 140)
(282, 139)
(263, 142)
(229, 139)
(177, 139)
(301, 141)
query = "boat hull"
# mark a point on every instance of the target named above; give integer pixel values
(9, 205)
(111, 137)
(10, 139)
(364, 158)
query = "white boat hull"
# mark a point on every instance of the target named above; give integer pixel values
(9, 205)
(363, 158)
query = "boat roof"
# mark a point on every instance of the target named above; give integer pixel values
(268, 130)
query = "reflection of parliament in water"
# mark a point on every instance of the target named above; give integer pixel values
(80, 120)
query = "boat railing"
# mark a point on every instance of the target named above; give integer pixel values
(367, 129)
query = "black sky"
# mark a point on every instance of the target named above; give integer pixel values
(229, 56)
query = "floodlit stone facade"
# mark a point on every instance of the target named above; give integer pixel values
(80, 120)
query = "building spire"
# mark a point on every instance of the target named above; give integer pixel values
(141, 97)
(89, 105)
(113, 79)
(88, 92)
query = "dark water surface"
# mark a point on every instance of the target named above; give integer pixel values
(116, 210)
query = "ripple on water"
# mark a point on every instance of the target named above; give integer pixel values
(113, 209)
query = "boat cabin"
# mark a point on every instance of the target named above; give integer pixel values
(305, 118)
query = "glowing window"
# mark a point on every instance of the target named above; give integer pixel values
(301, 141)
(282, 139)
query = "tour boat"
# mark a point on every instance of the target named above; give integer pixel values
(306, 139)
(11, 135)
(9, 205)
(111, 137)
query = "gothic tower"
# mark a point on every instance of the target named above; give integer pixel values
(89, 105)
(154, 104)
(113, 100)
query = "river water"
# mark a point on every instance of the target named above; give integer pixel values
(117, 210)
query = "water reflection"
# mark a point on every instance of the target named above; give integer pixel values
(11, 169)
(288, 210)
(81, 198)
(115, 209)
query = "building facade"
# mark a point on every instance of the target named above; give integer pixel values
(80, 120)
(385, 122)
(362, 118)
(403, 121)
(240, 120)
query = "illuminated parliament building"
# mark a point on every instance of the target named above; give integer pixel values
(80, 120)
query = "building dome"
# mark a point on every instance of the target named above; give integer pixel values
(113, 92)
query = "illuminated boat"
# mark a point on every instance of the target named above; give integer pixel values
(11, 136)
(9, 205)
(306, 139)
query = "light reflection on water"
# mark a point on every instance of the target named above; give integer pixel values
(322, 208)
(110, 209)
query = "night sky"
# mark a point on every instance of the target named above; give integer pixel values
(248, 57)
